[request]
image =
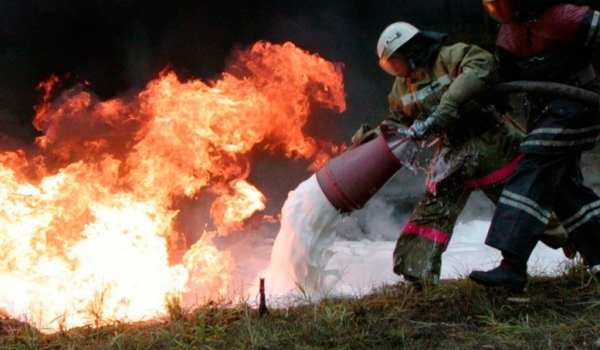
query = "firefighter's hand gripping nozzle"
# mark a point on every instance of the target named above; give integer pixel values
(421, 129)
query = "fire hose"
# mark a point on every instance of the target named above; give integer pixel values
(550, 88)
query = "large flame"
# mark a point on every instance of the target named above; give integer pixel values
(87, 216)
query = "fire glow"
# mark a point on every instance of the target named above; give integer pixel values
(87, 215)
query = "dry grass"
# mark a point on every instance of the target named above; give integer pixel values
(554, 313)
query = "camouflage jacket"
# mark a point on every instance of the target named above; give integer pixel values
(448, 82)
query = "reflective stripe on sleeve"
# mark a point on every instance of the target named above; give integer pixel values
(592, 36)
(422, 94)
(561, 137)
(557, 143)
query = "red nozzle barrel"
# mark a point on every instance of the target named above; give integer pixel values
(352, 178)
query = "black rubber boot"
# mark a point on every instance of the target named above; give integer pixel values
(569, 249)
(512, 274)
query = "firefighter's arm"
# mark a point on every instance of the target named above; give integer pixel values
(476, 71)
(574, 25)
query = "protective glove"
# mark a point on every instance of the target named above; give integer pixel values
(363, 135)
(420, 129)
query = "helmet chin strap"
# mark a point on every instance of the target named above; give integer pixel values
(412, 64)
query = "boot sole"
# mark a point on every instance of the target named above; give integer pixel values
(513, 287)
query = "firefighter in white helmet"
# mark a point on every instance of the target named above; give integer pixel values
(434, 96)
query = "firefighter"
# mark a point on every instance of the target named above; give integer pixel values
(546, 41)
(433, 98)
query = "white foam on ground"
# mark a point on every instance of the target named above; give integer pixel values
(365, 265)
(301, 249)
(308, 260)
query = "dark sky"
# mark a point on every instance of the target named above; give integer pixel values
(117, 45)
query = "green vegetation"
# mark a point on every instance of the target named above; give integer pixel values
(553, 313)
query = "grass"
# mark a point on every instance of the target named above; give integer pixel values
(553, 313)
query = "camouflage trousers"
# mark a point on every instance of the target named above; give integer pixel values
(483, 163)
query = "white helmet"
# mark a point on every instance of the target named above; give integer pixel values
(393, 37)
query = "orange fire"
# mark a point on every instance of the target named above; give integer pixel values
(87, 215)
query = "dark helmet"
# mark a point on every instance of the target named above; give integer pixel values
(503, 11)
(506, 11)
